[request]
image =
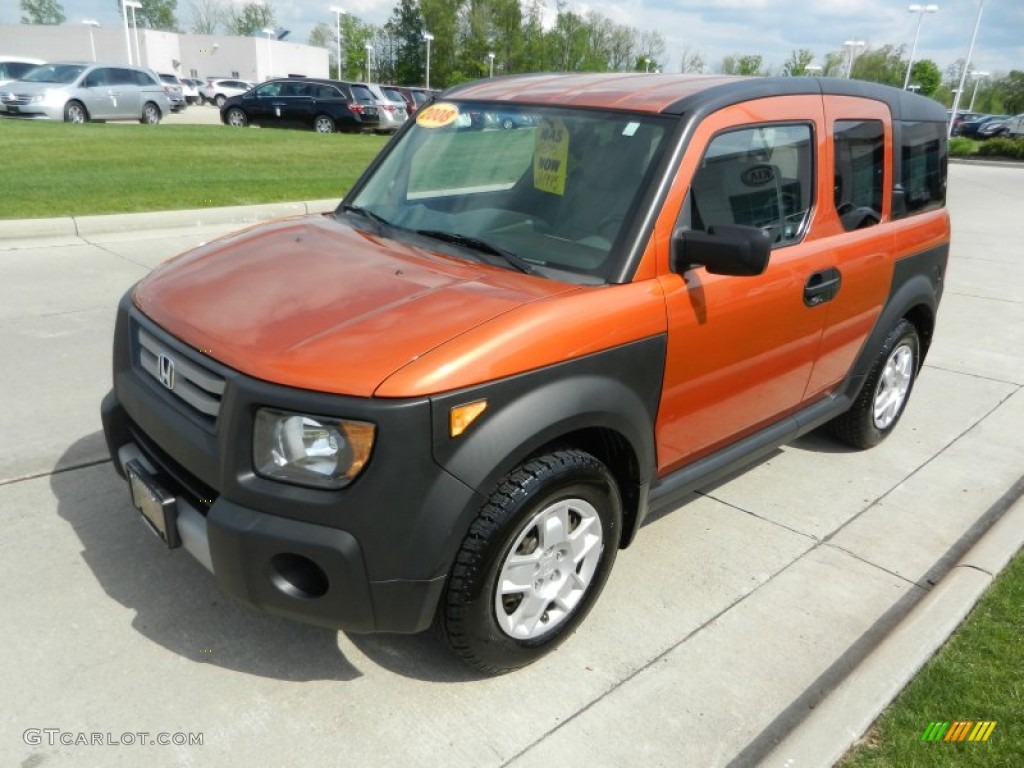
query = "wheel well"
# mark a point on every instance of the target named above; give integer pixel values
(924, 321)
(616, 453)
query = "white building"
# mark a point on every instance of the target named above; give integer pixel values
(201, 56)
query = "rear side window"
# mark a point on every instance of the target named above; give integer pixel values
(923, 166)
(758, 177)
(362, 94)
(859, 172)
(328, 92)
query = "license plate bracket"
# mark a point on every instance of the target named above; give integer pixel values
(159, 509)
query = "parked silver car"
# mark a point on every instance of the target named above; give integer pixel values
(76, 93)
(175, 90)
(14, 67)
(391, 107)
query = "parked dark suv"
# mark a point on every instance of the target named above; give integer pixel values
(325, 106)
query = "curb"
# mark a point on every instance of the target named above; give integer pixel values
(850, 709)
(87, 226)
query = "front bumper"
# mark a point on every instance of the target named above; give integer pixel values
(370, 557)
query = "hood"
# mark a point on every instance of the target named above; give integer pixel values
(316, 304)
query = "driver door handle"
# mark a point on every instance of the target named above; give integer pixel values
(822, 286)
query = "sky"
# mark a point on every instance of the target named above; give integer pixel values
(714, 28)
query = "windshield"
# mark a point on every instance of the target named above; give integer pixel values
(552, 187)
(54, 73)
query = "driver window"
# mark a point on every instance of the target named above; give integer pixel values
(758, 177)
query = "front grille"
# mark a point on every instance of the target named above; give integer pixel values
(17, 99)
(180, 373)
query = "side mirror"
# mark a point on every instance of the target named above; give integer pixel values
(722, 250)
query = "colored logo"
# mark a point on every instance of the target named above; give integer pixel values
(961, 730)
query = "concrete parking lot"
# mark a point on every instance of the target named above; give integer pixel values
(722, 628)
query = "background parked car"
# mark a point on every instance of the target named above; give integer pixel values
(323, 105)
(391, 108)
(970, 128)
(174, 88)
(13, 67)
(991, 129)
(76, 93)
(219, 90)
(414, 97)
(190, 89)
(1015, 126)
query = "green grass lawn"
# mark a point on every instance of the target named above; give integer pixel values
(978, 675)
(55, 169)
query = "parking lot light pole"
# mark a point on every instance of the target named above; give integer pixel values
(270, 52)
(978, 77)
(338, 13)
(369, 63)
(125, 5)
(490, 56)
(963, 74)
(920, 10)
(428, 37)
(853, 46)
(90, 23)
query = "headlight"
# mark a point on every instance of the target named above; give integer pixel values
(316, 451)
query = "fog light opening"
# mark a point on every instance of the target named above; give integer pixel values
(298, 576)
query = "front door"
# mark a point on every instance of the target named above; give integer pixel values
(741, 349)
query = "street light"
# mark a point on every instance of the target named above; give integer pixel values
(978, 77)
(853, 46)
(90, 23)
(963, 74)
(428, 37)
(125, 5)
(338, 13)
(812, 70)
(491, 57)
(270, 51)
(920, 10)
(369, 67)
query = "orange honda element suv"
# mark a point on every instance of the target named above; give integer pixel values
(451, 401)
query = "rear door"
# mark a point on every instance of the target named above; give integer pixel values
(297, 104)
(96, 93)
(124, 89)
(741, 349)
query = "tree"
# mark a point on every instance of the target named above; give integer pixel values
(250, 19)
(48, 12)
(207, 16)
(1011, 90)
(835, 64)
(157, 14)
(797, 63)
(926, 75)
(881, 65)
(691, 60)
(749, 65)
(406, 28)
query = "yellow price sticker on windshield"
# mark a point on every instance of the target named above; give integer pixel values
(437, 115)
(550, 156)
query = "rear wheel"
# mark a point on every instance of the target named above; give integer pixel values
(219, 100)
(150, 114)
(323, 124)
(881, 402)
(533, 562)
(236, 118)
(74, 112)
(507, 124)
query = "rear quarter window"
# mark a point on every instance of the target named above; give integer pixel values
(923, 160)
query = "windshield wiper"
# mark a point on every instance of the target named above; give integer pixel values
(480, 245)
(367, 214)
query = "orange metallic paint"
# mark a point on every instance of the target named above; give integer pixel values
(313, 303)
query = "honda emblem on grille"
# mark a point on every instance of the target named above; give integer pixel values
(165, 370)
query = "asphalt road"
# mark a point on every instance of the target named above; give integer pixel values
(720, 629)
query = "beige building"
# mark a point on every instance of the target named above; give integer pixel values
(245, 58)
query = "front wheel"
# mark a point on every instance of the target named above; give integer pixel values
(236, 118)
(74, 112)
(881, 402)
(533, 563)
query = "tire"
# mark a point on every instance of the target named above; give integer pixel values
(75, 112)
(323, 124)
(219, 100)
(150, 114)
(236, 118)
(507, 124)
(881, 402)
(559, 509)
